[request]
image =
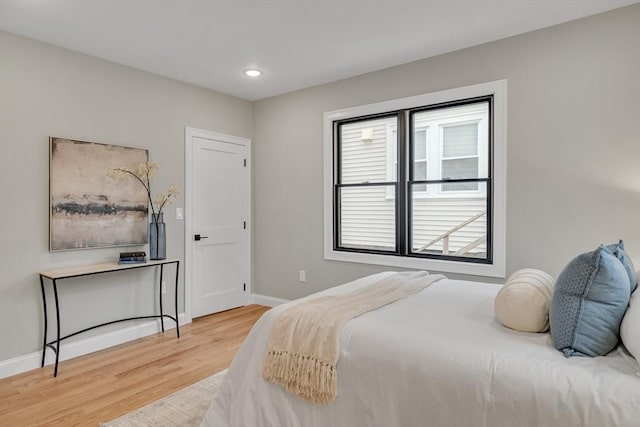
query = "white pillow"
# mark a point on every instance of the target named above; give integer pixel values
(523, 302)
(630, 326)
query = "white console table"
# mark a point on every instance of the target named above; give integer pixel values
(66, 273)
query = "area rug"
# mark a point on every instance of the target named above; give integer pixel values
(184, 408)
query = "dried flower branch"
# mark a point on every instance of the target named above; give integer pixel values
(143, 175)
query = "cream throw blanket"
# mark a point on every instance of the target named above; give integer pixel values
(302, 352)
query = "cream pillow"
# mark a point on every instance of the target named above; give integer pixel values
(523, 302)
(630, 326)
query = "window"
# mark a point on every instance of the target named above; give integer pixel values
(419, 182)
(455, 138)
(460, 158)
(420, 157)
(368, 220)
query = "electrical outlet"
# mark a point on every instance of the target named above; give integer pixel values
(164, 287)
(302, 276)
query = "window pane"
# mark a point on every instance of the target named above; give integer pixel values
(460, 140)
(420, 147)
(367, 218)
(420, 174)
(459, 169)
(420, 171)
(450, 226)
(365, 149)
(460, 186)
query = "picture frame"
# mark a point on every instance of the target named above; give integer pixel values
(87, 208)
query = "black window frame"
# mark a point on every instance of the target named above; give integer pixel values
(404, 181)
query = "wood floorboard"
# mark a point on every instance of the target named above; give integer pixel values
(104, 385)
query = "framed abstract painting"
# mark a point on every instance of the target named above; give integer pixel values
(87, 208)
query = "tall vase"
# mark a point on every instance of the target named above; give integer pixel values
(157, 237)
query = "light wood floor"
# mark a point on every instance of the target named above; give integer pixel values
(104, 385)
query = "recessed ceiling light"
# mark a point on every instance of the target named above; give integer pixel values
(253, 73)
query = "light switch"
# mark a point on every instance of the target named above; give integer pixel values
(179, 214)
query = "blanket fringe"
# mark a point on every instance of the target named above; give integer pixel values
(306, 376)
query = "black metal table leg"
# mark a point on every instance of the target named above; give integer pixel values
(44, 305)
(160, 294)
(55, 293)
(176, 299)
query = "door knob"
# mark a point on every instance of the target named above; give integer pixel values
(198, 237)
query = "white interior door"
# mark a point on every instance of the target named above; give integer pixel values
(219, 214)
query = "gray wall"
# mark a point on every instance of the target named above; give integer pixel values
(573, 122)
(47, 91)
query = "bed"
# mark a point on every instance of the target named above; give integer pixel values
(436, 358)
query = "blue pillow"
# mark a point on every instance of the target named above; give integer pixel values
(588, 303)
(619, 252)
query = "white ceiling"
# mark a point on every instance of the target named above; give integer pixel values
(297, 44)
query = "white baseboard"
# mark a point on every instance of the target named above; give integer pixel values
(89, 345)
(81, 347)
(268, 301)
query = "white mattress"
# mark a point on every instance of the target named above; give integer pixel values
(437, 358)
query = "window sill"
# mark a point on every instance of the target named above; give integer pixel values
(497, 269)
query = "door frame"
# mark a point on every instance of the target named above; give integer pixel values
(189, 134)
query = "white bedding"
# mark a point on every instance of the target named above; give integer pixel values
(437, 358)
